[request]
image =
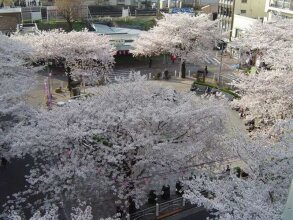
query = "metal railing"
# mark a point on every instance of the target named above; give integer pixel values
(158, 209)
(150, 212)
(282, 4)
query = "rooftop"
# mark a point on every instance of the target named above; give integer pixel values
(104, 29)
(10, 10)
(122, 38)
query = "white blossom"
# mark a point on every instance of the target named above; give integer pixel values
(120, 137)
(267, 94)
(188, 37)
(87, 54)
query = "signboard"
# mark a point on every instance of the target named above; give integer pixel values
(118, 42)
(36, 16)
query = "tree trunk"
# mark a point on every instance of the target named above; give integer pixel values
(70, 25)
(183, 69)
(69, 78)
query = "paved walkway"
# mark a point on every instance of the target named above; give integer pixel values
(12, 179)
(36, 97)
(190, 214)
(158, 65)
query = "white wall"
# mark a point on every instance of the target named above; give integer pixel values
(208, 2)
(242, 23)
(112, 2)
(254, 8)
(36, 16)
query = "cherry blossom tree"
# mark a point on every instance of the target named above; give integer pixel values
(86, 54)
(121, 140)
(261, 195)
(82, 212)
(15, 79)
(272, 41)
(188, 37)
(266, 97)
(267, 158)
(267, 94)
(71, 10)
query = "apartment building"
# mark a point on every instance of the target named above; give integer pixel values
(247, 8)
(283, 8)
(9, 18)
(250, 8)
(225, 14)
(246, 14)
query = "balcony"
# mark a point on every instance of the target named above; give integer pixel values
(226, 2)
(285, 6)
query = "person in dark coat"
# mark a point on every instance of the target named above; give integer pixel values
(206, 71)
(3, 162)
(150, 63)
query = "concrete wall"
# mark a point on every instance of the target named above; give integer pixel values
(241, 23)
(9, 21)
(254, 8)
(207, 2)
(273, 7)
(208, 9)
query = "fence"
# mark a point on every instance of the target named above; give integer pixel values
(160, 209)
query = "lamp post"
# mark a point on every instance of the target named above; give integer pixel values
(221, 60)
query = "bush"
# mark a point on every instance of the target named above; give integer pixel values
(224, 90)
(137, 23)
(101, 82)
(157, 76)
(59, 90)
(77, 26)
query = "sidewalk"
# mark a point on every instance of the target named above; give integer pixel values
(36, 97)
(158, 66)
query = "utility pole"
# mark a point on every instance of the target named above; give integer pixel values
(222, 48)
(221, 61)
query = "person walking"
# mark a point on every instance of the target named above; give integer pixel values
(150, 63)
(173, 58)
(3, 162)
(206, 71)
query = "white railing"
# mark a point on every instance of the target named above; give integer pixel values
(282, 4)
(158, 209)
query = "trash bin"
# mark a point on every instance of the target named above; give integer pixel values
(76, 91)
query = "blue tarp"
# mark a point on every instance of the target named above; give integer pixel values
(181, 10)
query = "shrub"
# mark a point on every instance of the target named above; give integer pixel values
(157, 76)
(59, 90)
(224, 90)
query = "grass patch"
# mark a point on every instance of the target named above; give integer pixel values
(205, 84)
(227, 90)
(142, 23)
(214, 86)
(45, 26)
(246, 70)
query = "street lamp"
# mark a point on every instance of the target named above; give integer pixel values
(222, 43)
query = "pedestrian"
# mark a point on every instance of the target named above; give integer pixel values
(3, 162)
(166, 74)
(241, 113)
(119, 211)
(228, 169)
(150, 63)
(173, 58)
(206, 71)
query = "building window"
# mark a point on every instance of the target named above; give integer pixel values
(243, 12)
(237, 32)
(243, 1)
